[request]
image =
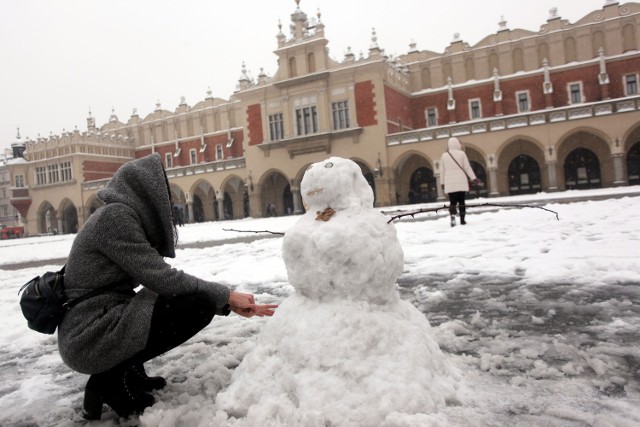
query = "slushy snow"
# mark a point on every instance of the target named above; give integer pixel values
(541, 317)
(344, 350)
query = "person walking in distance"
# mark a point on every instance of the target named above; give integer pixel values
(456, 174)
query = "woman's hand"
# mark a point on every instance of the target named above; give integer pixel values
(240, 300)
(245, 306)
(259, 310)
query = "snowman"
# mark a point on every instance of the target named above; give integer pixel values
(344, 349)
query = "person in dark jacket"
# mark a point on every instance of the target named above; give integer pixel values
(111, 335)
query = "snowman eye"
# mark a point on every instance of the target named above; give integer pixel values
(328, 165)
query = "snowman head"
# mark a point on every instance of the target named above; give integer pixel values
(335, 183)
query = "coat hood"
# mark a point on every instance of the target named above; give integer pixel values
(454, 144)
(142, 185)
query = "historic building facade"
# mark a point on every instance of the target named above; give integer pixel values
(537, 111)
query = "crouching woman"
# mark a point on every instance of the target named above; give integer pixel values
(111, 335)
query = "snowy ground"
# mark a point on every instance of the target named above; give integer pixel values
(541, 316)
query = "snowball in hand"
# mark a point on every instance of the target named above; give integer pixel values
(344, 349)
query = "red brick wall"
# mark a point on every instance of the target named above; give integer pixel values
(462, 96)
(588, 75)
(617, 70)
(531, 83)
(254, 124)
(420, 105)
(365, 104)
(398, 111)
(92, 171)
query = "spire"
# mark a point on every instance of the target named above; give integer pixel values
(553, 14)
(502, 25)
(374, 49)
(244, 81)
(113, 117)
(91, 122)
(18, 135)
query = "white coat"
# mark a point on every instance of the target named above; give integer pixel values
(453, 177)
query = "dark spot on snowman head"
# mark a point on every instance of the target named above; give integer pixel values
(328, 165)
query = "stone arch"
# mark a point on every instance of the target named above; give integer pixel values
(415, 178)
(479, 166)
(518, 60)
(235, 198)
(628, 38)
(543, 53)
(597, 42)
(581, 170)
(203, 199)
(368, 174)
(521, 167)
(470, 68)
(493, 63)
(584, 139)
(46, 218)
(570, 52)
(293, 68)
(275, 193)
(425, 76)
(179, 198)
(68, 214)
(311, 62)
(91, 205)
(632, 149)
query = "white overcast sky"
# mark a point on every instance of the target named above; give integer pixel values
(60, 58)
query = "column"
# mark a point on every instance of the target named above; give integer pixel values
(618, 169)
(190, 212)
(297, 201)
(493, 182)
(551, 174)
(220, 206)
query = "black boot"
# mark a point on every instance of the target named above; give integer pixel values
(143, 382)
(117, 390)
(462, 221)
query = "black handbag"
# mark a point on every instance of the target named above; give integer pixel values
(44, 302)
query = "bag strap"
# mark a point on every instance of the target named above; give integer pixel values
(456, 162)
(92, 293)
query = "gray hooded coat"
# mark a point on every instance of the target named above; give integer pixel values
(124, 241)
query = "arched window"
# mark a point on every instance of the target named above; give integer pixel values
(446, 71)
(481, 174)
(597, 42)
(543, 53)
(569, 50)
(628, 38)
(524, 175)
(470, 69)
(422, 186)
(425, 75)
(582, 170)
(293, 70)
(518, 60)
(633, 164)
(311, 62)
(493, 63)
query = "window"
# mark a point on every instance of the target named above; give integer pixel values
(65, 171)
(575, 93)
(168, 160)
(307, 120)
(523, 101)
(474, 109)
(41, 175)
(631, 84)
(219, 152)
(19, 181)
(5, 211)
(192, 156)
(340, 115)
(54, 176)
(432, 117)
(276, 127)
